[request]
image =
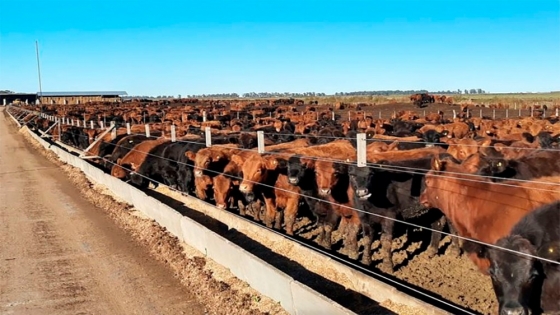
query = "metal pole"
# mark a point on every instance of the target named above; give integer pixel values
(39, 73)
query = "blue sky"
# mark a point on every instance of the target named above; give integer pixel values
(196, 47)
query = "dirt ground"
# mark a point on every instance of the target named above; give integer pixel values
(61, 254)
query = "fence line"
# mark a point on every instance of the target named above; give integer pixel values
(331, 203)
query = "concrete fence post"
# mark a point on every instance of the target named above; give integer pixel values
(208, 134)
(127, 128)
(173, 135)
(480, 113)
(507, 112)
(332, 115)
(454, 114)
(147, 128)
(494, 114)
(204, 116)
(91, 124)
(361, 149)
(260, 141)
(59, 126)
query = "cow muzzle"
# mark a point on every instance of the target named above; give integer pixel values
(293, 180)
(221, 206)
(519, 310)
(363, 193)
(324, 191)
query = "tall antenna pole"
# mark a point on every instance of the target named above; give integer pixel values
(39, 72)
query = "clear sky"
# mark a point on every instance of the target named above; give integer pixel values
(206, 46)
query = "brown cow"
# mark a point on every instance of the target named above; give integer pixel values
(478, 208)
(265, 172)
(133, 159)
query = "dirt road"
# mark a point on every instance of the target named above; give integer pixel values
(61, 255)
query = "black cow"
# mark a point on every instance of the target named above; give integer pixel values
(523, 283)
(303, 177)
(390, 194)
(149, 170)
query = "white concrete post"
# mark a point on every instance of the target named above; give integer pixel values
(481, 113)
(173, 135)
(519, 111)
(556, 111)
(260, 141)
(102, 125)
(91, 124)
(531, 111)
(59, 126)
(147, 127)
(208, 134)
(454, 114)
(361, 149)
(204, 116)
(113, 133)
(507, 112)
(333, 116)
(127, 128)
(494, 114)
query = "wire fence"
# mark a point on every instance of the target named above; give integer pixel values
(385, 167)
(475, 178)
(381, 166)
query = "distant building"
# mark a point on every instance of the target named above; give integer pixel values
(17, 98)
(80, 97)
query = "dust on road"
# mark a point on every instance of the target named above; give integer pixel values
(61, 255)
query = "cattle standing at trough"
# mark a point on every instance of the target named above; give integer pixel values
(423, 170)
(526, 283)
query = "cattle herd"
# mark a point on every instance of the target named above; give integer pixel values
(493, 184)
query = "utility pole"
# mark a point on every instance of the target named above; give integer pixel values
(39, 73)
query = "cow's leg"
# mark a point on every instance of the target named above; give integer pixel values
(368, 241)
(290, 213)
(270, 214)
(454, 248)
(387, 243)
(328, 226)
(436, 236)
(351, 241)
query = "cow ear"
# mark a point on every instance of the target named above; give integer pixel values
(271, 162)
(393, 146)
(486, 142)
(309, 163)
(550, 250)
(190, 155)
(475, 248)
(237, 159)
(437, 164)
(471, 163)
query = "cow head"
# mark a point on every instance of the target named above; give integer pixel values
(205, 158)
(223, 188)
(359, 179)
(517, 279)
(328, 175)
(300, 170)
(255, 170)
